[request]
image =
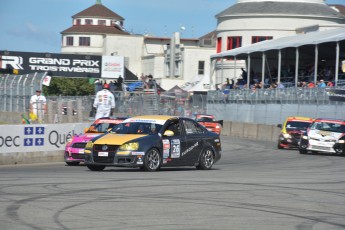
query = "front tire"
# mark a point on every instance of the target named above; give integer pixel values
(303, 151)
(206, 160)
(279, 146)
(152, 161)
(72, 163)
(96, 167)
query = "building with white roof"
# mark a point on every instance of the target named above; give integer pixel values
(250, 21)
(176, 61)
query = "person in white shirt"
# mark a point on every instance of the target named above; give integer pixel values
(104, 102)
(38, 105)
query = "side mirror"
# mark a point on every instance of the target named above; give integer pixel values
(168, 133)
(280, 126)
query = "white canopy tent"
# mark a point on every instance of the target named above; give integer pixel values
(316, 38)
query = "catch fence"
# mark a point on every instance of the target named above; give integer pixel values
(15, 93)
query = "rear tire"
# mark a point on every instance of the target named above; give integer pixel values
(96, 167)
(206, 160)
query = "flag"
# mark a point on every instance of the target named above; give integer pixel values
(46, 80)
(33, 117)
(25, 120)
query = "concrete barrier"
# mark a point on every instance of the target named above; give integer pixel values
(226, 129)
(250, 130)
(36, 143)
(237, 129)
(265, 132)
(31, 157)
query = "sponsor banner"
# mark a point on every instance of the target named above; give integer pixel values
(65, 65)
(113, 66)
(336, 94)
(37, 138)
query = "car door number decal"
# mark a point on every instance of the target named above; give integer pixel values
(175, 148)
(166, 148)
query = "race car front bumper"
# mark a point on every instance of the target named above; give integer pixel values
(322, 146)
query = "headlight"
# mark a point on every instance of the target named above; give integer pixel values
(305, 137)
(130, 146)
(341, 141)
(89, 145)
(286, 135)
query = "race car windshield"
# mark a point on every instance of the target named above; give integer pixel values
(101, 127)
(136, 128)
(297, 125)
(328, 126)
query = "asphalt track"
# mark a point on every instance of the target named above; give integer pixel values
(254, 186)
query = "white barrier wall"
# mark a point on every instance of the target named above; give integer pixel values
(37, 138)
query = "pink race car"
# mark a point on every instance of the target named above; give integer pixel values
(74, 151)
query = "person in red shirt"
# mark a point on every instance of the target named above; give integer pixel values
(311, 85)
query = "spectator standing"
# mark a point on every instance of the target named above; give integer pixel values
(104, 103)
(38, 106)
(280, 85)
(322, 84)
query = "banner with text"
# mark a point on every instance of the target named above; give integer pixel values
(37, 138)
(64, 65)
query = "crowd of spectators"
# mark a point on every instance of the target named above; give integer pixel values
(325, 78)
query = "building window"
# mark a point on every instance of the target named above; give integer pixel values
(219, 45)
(69, 41)
(78, 22)
(256, 39)
(84, 41)
(234, 42)
(201, 67)
(101, 22)
(88, 22)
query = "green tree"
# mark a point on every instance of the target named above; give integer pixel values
(69, 87)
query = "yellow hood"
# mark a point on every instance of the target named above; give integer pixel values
(117, 139)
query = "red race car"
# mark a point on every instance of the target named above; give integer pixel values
(209, 122)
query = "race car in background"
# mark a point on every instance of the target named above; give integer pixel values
(291, 131)
(151, 142)
(324, 135)
(74, 150)
(209, 122)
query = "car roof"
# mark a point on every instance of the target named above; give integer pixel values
(158, 119)
(109, 120)
(204, 115)
(298, 118)
(330, 120)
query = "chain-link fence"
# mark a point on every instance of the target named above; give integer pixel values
(15, 91)
(260, 96)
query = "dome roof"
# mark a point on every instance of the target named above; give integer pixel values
(98, 11)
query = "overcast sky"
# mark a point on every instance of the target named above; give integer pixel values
(35, 25)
